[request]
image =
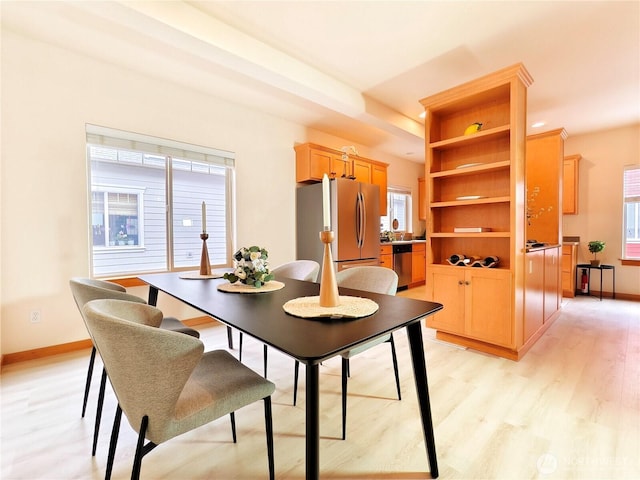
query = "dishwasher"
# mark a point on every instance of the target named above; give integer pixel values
(402, 264)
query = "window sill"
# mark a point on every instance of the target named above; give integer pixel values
(630, 263)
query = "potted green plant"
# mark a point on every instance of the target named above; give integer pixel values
(596, 246)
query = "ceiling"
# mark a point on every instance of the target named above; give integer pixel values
(357, 69)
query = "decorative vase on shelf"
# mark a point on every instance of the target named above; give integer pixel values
(595, 263)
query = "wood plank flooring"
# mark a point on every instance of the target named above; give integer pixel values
(570, 409)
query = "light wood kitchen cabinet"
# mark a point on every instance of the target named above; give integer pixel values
(361, 170)
(313, 161)
(570, 184)
(379, 177)
(477, 304)
(418, 263)
(569, 262)
(542, 289)
(552, 290)
(478, 181)
(422, 200)
(534, 293)
(386, 256)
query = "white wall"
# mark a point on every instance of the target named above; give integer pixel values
(48, 94)
(604, 154)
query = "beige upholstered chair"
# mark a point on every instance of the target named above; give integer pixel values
(164, 383)
(305, 270)
(369, 279)
(86, 289)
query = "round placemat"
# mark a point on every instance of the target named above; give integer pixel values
(238, 287)
(350, 307)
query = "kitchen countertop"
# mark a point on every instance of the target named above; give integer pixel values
(402, 242)
(542, 247)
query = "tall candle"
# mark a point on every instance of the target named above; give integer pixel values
(204, 217)
(326, 211)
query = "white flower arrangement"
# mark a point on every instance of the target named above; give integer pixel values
(250, 267)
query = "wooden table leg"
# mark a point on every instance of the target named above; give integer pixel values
(312, 425)
(414, 332)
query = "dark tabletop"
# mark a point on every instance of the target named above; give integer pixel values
(309, 340)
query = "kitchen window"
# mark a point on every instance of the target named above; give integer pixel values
(631, 221)
(399, 208)
(146, 203)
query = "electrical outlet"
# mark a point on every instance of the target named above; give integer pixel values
(35, 316)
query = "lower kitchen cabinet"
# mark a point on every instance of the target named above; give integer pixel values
(418, 263)
(542, 292)
(477, 303)
(386, 256)
(569, 261)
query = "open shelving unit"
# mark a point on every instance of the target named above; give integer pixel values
(478, 181)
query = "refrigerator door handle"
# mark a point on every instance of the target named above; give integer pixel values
(361, 219)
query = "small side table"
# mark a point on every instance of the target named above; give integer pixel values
(589, 267)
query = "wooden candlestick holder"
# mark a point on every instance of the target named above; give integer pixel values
(205, 265)
(328, 285)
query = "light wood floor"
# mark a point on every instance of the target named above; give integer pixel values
(568, 410)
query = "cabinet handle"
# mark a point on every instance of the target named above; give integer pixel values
(467, 283)
(460, 282)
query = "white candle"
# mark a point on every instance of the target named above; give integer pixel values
(326, 211)
(204, 217)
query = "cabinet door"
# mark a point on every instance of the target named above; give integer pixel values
(418, 263)
(386, 261)
(551, 282)
(361, 170)
(379, 177)
(570, 185)
(446, 286)
(488, 306)
(534, 293)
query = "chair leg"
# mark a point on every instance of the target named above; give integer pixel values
(141, 449)
(395, 365)
(240, 348)
(264, 354)
(96, 427)
(233, 426)
(269, 429)
(113, 443)
(345, 369)
(296, 370)
(87, 384)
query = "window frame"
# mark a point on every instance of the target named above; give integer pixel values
(630, 198)
(172, 154)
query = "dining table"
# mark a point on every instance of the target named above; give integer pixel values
(310, 340)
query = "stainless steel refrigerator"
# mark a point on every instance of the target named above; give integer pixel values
(355, 221)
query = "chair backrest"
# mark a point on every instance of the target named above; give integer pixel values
(86, 289)
(306, 270)
(370, 279)
(148, 367)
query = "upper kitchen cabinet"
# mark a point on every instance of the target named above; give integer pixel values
(545, 156)
(313, 161)
(475, 197)
(570, 184)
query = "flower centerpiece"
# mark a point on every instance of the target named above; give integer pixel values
(250, 267)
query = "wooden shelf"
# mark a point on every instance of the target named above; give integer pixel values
(472, 170)
(502, 131)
